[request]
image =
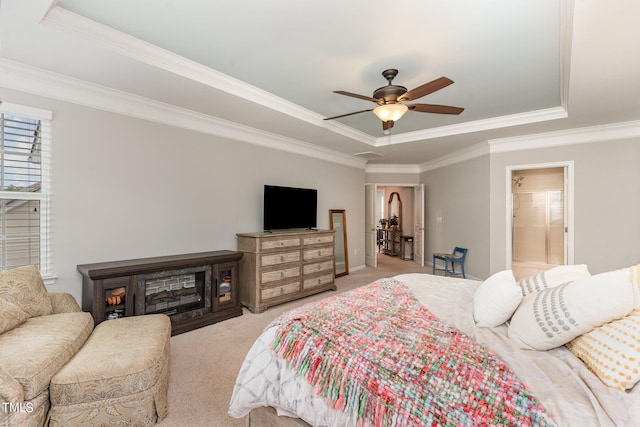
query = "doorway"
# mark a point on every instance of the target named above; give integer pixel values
(412, 223)
(539, 217)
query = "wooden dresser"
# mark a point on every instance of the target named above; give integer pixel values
(283, 266)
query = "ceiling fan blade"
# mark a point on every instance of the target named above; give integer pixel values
(425, 89)
(432, 108)
(355, 95)
(348, 114)
(387, 125)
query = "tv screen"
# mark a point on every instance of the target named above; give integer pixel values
(289, 207)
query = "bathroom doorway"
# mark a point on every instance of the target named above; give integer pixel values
(539, 218)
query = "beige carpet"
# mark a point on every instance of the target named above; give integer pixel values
(205, 362)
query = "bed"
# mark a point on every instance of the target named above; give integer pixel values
(560, 388)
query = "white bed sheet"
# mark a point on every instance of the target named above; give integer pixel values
(564, 385)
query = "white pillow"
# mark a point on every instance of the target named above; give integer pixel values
(496, 299)
(553, 277)
(555, 316)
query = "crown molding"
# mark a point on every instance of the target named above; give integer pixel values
(71, 90)
(44, 83)
(554, 113)
(389, 168)
(574, 136)
(566, 41)
(139, 50)
(584, 135)
(476, 150)
(476, 126)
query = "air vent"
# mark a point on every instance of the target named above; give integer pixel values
(368, 155)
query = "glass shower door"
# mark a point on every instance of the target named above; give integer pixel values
(538, 227)
(555, 251)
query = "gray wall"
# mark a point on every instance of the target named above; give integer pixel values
(470, 197)
(457, 212)
(128, 188)
(606, 201)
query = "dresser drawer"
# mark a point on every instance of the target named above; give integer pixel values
(286, 273)
(279, 258)
(277, 291)
(284, 243)
(284, 265)
(315, 240)
(311, 254)
(318, 281)
(317, 267)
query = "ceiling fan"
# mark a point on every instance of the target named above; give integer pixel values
(391, 100)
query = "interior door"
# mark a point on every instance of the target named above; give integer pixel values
(418, 226)
(370, 255)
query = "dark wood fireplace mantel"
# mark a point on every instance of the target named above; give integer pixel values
(194, 290)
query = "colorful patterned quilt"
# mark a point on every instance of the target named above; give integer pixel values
(379, 354)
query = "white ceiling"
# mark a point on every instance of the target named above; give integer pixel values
(519, 67)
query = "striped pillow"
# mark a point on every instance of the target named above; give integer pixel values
(612, 351)
(552, 278)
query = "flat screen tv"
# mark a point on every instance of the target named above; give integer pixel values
(290, 207)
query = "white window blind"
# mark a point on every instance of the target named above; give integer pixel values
(25, 190)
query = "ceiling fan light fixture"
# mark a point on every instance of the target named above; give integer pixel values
(391, 112)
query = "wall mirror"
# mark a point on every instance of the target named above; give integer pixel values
(395, 208)
(338, 222)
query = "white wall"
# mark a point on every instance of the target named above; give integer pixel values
(128, 188)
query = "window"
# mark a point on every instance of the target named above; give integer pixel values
(25, 190)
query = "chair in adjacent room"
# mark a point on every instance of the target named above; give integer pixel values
(457, 256)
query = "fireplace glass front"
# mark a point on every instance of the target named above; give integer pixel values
(175, 292)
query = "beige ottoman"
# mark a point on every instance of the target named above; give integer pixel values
(119, 377)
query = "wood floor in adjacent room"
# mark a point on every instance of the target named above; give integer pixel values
(204, 362)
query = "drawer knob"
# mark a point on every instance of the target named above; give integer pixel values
(319, 281)
(282, 274)
(281, 258)
(319, 267)
(319, 253)
(281, 291)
